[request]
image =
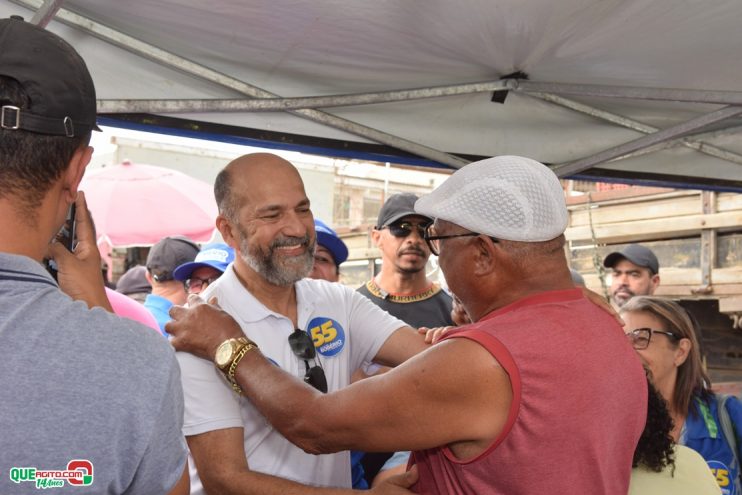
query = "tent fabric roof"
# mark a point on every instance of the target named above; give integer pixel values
(188, 49)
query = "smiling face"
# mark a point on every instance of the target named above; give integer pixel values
(273, 231)
(408, 254)
(664, 354)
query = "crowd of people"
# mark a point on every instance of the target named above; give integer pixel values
(244, 367)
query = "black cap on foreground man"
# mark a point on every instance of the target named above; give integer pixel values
(60, 106)
(85, 393)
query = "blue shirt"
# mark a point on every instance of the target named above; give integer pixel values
(159, 307)
(704, 435)
(356, 470)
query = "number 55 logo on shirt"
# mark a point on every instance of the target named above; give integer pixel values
(328, 336)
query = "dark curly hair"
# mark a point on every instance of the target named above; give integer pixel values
(655, 449)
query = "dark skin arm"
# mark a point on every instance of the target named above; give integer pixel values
(387, 412)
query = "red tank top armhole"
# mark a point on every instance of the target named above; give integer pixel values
(503, 356)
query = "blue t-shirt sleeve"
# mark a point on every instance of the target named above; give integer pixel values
(166, 455)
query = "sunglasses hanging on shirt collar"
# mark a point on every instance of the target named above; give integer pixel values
(302, 346)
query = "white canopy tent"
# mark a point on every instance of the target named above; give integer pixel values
(640, 90)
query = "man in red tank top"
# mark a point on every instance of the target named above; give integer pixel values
(542, 394)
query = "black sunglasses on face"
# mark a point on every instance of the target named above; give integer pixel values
(434, 241)
(641, 337)
(302, 346)
(403, 229)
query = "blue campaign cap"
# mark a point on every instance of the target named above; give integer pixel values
(327, 238)
(216, 255)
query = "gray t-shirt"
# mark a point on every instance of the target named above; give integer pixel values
(82, 390)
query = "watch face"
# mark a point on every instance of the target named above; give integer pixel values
(223, 353)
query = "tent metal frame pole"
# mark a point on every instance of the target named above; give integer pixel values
(613, 118)
(304, 107)
(630, 92)
(294, 103)
(718, 133)
(269, 104)
(158, 55)
(691, 125)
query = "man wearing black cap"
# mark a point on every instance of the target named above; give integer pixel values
(89, 400)
(133, 283)
(163, 258)
(401, 287)
(635, 272)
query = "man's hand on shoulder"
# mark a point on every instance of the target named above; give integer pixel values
(433, 335)
(200, 327)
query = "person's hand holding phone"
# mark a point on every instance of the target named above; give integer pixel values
(79, 271)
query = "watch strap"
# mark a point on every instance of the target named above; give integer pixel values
(248, 346)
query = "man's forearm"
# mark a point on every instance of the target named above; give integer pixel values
(295, 415)
(246, 482)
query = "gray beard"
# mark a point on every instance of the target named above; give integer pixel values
(281, 274)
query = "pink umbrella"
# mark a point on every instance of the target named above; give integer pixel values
(137, 205)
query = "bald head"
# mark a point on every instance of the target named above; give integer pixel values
(237, 182)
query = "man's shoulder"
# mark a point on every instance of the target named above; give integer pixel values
(158, 302)
(127, 335)
(54, 314)
(90, 346)
(322, 287)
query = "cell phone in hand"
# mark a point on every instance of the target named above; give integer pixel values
(67, 235)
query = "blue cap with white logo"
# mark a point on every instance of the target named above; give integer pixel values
(217, 255)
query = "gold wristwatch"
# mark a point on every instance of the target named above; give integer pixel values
(228, 356)
(227, 351)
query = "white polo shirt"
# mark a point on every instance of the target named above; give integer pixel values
(348, 329)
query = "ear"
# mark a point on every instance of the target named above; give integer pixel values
(683, 351)
(654, 282)
(376, 236)
(75, 171)
(486, 254)
(148, 276)
(225, 229)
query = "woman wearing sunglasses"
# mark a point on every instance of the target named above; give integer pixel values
(664, 335)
